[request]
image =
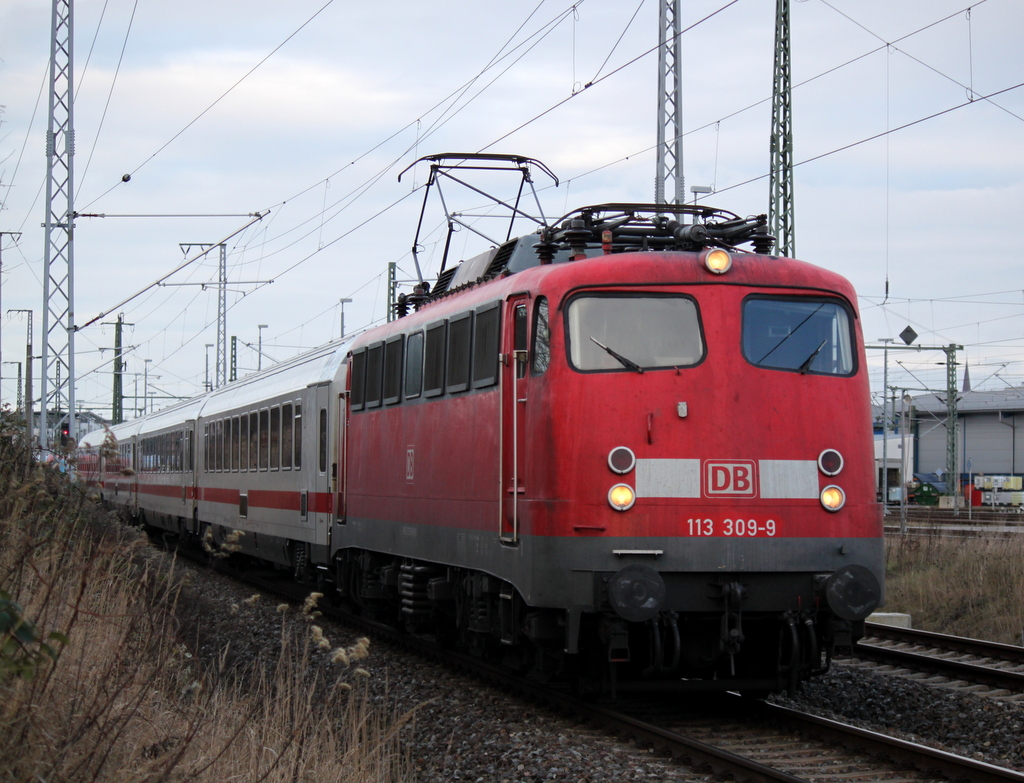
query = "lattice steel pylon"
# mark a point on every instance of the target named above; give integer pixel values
(57, 384)
(670, 107)
(780, 202)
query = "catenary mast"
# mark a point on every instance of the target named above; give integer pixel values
(670, 107)
(780, 199)
(57, 384)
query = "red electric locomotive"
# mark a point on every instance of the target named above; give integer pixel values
(620, 449)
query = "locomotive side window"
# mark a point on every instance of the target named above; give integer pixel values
(458, 353)
(358, 370)
(519, 340)
(485, 345)
(798, 334)
(414, 365)
(541, 337)
(393, 369)
(374, 374)
(633, 332)
(433, 363)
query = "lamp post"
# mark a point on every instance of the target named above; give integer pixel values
(259, 350)
(343, 302)
(29, 413)
(905, 468)
(145, 387)
(885, 424)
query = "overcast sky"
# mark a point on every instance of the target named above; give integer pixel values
(310, 109)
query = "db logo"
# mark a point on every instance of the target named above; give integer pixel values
(734, 478)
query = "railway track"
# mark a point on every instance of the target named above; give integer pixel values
(999, 666)
(726, 735)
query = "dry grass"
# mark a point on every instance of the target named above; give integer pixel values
(965, 586)
(124, 699)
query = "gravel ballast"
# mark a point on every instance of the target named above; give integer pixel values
(463, 730)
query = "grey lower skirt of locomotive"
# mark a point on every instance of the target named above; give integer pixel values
(644, 629)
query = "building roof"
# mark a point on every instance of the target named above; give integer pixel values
(1008, 399)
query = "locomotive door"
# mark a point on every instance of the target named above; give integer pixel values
(514, 378)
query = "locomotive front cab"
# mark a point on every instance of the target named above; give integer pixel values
(722, 506)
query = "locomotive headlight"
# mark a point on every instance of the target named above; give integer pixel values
(717, 261)
(621, 497)
(833, 498)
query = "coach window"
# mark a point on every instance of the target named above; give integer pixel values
(459, 333)
(357, 370)
(393, 369)
(254, 441)
(541, 354)
(264, 438)
(206, 448)
(190, 465)
(212, 462)
(798, 334)
(243, 442)
(413, 365)
(223, 438)
(633, 332)
(286, 436)
(236, 437)
(374, 374)
(485, 345)
(433, 362)
(298, 435)
(323, 440)
(275, 438)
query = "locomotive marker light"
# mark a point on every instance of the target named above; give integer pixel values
(636, 593)
(717, 261)
(621, 459)
(621, 497)
(853, 592)
(830, 462)
(833, 498)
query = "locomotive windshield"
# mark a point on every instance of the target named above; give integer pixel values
(798, 334)
(633, 332)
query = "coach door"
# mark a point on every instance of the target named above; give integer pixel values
(319, 504)
(187, 467)
(341, 452)
(514, 380)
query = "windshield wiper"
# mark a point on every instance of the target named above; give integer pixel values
(807, 362)
(622, 359)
